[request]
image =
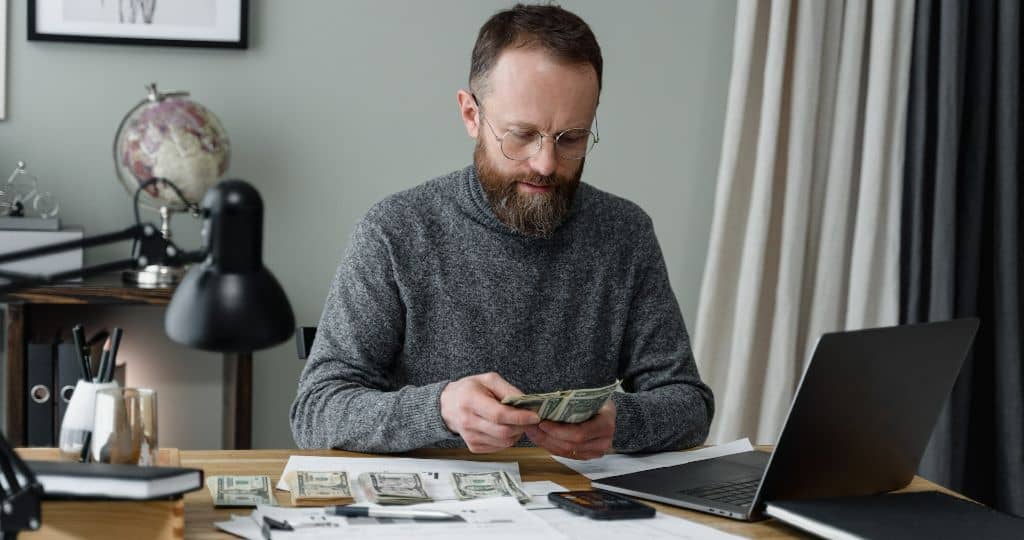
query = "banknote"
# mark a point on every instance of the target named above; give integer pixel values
(570, 406)
(481, 485)
(240, 490)
(319, 488)
(394, 488)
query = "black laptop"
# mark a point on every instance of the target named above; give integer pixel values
(858, 425)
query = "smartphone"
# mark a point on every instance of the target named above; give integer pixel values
(600, 505)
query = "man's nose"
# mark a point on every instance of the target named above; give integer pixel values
(545, 161)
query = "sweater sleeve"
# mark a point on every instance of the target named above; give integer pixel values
(665, 406)
(347, 395)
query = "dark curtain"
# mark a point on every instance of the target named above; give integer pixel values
(961, 234)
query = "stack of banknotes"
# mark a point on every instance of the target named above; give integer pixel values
(319, 488)
(240, 490)
(394, 488)
(569, 406)
(487, 484)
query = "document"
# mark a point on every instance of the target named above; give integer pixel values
(499, 518)
(616, 464)
(538, 492)
(435, 473)
(660, 527)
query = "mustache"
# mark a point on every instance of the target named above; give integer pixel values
(539, 180)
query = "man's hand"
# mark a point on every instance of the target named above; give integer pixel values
(588, 440)
(471, 407)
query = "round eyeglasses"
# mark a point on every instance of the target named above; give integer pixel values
(523, 144)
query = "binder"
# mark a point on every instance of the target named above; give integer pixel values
(40, 395)
(69, 370)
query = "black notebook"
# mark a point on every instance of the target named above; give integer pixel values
(928, 514)
(63, 479)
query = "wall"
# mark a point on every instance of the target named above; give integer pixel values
(334, 106)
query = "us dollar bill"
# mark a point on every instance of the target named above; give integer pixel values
(394, 488)
(570, 406)
(487, 484)
(319, 488)
(240, 490)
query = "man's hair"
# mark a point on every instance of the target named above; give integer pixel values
(556, 31)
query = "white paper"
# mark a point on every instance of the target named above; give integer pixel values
(538, 492)
(616, 464)
(436, 473)
(500, 518)
(660, 527)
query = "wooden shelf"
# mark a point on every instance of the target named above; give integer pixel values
(109, 289)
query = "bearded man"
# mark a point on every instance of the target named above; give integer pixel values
(509, 276)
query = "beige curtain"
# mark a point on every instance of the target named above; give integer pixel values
(805, 235)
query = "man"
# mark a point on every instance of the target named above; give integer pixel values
(507, 277)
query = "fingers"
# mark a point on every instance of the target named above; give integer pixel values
(498, 385)
(588, 440)
(591, 449)
(494, 412)
(480, 442)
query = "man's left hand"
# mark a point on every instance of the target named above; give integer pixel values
(588, 440)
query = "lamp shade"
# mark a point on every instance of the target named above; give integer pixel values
(230, 302)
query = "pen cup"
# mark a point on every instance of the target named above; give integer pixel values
(124, 426)
(78, 419)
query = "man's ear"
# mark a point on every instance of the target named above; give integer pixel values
(469, 112)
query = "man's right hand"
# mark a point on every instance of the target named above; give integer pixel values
(471, 407)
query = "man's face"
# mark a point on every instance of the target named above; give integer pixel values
(528, 90)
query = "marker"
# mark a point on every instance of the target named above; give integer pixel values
(364, 511)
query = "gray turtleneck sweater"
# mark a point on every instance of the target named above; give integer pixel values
(433, 287)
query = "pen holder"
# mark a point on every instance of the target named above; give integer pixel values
(78, 419)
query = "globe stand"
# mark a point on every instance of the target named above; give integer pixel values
(158, 275)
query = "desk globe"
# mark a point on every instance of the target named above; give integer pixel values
(169, 136)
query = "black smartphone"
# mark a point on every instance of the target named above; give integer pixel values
(600, 505)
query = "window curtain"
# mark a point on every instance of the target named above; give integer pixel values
(961, 234)
(805, 233)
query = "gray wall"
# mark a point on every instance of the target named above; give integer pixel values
(336, 105)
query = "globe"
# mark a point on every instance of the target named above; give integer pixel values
(169, 136)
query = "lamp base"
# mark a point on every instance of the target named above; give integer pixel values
(155, 275)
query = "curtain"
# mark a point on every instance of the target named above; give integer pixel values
(805, 232)
(961, 234)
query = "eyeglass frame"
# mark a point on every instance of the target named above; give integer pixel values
(554, 137)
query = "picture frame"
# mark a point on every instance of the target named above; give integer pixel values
(222, 24)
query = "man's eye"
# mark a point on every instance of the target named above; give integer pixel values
(523, 135)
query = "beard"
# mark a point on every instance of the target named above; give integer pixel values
(531, 214)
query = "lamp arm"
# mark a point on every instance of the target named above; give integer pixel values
(19, 499)
(153, 249)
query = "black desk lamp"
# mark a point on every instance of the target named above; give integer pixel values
(229, 302)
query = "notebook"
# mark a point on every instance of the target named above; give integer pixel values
(63, 479)
(925, 515)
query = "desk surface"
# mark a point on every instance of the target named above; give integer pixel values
(534, 464)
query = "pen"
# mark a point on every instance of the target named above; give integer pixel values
(101, 374)
(363, 511)
(115, 344)
(78, 333)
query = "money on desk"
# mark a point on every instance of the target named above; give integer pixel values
(394, 488)
(487, 484)
(569, 406)
(240, 490)
(319, 488)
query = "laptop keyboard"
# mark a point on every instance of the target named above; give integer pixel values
(738, 492)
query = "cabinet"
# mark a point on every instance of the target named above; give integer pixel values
(21, 310)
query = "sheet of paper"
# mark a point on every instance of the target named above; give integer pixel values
(660, 527)
(538, 492)
(436, 473)
(500, 518)
(616, 464)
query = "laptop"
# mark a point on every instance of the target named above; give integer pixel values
(859, 422)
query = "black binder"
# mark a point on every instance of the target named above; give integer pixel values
(69, 370)
(925, 515)
(40, 395)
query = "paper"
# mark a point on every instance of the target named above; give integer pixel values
(538, 492)
(660, 527)
(499, 518)
(434, 472)
(616, 464)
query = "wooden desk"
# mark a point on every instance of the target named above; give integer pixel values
(109, 289)
(534, 464)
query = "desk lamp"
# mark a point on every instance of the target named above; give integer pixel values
(229, 302)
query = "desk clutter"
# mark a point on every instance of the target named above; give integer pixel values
(333, 497)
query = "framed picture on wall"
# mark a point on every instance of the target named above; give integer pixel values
(179, 23)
